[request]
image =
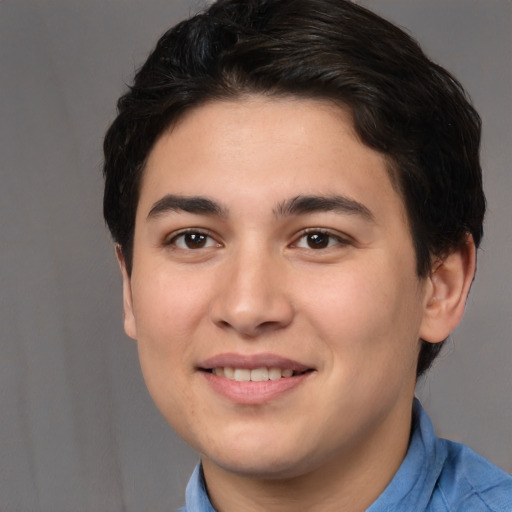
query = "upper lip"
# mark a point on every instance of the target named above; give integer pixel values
(251, 362)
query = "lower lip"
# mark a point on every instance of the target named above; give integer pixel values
(253, 393)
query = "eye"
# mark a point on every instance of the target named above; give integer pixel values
(192, 240)
(319, 240)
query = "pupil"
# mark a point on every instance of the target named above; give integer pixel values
(195, 240)
(318, 240)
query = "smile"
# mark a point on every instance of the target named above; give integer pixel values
(253, 379)
(254, 375)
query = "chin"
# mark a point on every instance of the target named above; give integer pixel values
(265, 461)
(271, 468)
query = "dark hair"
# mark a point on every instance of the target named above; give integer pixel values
(403, 105)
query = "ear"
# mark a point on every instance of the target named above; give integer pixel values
(446, 293)
(128, 317)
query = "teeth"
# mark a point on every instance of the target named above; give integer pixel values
(242, 375)
(275, 373)
(257, 375)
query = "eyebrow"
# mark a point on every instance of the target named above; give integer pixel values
(301, 205)
(190, 204)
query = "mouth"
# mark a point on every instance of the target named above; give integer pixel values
(261, 374)
(253, 379)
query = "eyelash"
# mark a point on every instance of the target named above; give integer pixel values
(207, 238)
(339, 240)
(172, 241)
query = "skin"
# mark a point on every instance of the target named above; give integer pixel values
(350, 308)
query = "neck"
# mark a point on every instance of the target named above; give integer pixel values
(349, 481)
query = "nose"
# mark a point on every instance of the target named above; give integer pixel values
(253, 298)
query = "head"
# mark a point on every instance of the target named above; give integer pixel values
(401, 104)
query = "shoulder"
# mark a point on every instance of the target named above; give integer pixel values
(468, 482)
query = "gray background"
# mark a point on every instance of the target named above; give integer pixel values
(78, 431)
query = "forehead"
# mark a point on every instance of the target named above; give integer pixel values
(267, 146)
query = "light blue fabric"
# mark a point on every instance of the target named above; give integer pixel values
(196, 497)
(436, 476)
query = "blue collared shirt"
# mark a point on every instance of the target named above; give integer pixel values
(436, 476)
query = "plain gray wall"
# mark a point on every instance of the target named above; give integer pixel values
(78, 431)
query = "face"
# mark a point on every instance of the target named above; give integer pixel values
(273, 294)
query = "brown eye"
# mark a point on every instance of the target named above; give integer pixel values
(317, 240)
(193, 240)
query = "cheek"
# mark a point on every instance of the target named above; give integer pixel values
(367, 310)
(166, 307)
(168, 313)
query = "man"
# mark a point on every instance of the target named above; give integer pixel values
(295, 193)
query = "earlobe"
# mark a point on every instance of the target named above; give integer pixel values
(128, 316)
(446, 292)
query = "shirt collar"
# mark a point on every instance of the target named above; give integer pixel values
(196, 497)
(412, 486)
